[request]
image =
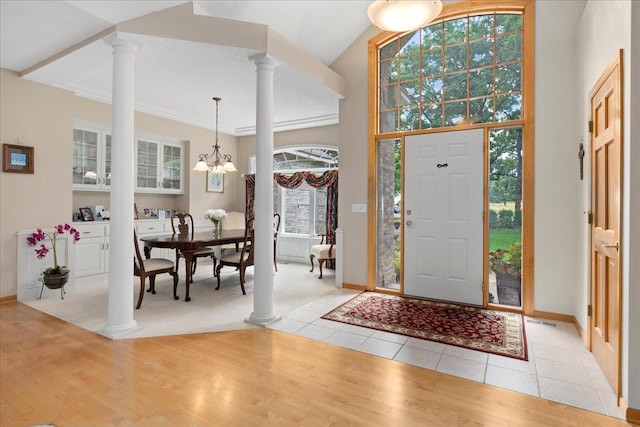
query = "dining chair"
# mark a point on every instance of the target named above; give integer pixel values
(276, 228)
(324, 251)
(240, 260)
(233, 220)
(182, 222)
(151, 267)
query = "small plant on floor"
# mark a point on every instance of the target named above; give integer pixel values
(42, 250)
(507, 263)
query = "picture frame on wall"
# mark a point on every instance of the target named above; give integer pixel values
(17, 158)
(215, 182)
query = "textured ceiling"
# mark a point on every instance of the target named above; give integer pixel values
(177, 78)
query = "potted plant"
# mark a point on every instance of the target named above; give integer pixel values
(507, 264)
(53, 277)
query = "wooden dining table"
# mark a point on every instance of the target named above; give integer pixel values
(189, 245)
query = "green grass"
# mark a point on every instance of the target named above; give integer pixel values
(503, 237)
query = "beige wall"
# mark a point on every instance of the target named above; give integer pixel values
(42, 117)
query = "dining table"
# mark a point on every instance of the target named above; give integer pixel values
(188, 244)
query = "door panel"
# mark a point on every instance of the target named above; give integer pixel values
(605, 186)
(443, 216)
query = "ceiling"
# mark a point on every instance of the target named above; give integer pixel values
(176, 78)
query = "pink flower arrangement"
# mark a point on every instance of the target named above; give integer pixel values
(42, 250)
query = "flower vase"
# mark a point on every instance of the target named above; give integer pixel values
(216, 227)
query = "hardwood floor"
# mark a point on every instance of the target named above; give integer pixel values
(54, 372)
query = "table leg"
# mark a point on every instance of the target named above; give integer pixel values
(188, 258)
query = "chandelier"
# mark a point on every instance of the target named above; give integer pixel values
(403, 15)
(215, 162)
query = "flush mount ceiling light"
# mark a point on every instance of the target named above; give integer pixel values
(403, 15)
(215, 162)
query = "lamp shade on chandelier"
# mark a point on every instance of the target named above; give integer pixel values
(215, 162)
(403, 15)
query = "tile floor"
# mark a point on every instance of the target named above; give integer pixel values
(560, 368)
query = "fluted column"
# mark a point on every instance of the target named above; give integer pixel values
(263, 310)
(120, 311)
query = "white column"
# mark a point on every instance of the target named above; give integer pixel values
(263, 311)
(120, 319)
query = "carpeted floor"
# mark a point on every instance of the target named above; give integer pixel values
(208, 311)
(480, 329)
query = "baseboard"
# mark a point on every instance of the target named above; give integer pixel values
(346, 285)
(554, 316)
(631, 414)
(581, 332)
(10, 298)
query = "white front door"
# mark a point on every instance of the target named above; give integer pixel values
(443, 207)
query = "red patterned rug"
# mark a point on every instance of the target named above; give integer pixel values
(491, 331)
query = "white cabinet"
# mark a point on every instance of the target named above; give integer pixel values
(159, 166)
(92, 250)
(91, 158)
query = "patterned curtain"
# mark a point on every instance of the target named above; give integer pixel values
(327, 179)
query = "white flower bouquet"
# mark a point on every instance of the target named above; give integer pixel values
(215, 215)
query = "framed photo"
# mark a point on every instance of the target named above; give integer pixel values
(215, 182)
(86, 213)
(17, 158)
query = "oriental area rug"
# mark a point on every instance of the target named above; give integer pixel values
(490, 331)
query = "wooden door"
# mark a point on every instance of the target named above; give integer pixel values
(606, 149)
(443, 206)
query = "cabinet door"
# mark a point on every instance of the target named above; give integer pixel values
(89, 256)
(86, 158)
(171, 170)
(106, 161)
(147, 164)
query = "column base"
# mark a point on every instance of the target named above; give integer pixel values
(262, 320)
(118, 331)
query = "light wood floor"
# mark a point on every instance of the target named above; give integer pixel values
(54, 372)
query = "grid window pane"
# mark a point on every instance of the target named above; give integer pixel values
(409, 43)
(455, 113)
(432, 90)
(480, 27)
(410, 118)
(432, 62)
(509, 48)
(389, 71)
(409, 67)
(455, 31)
(410, 93)
(455, 86)
(509, 78)
(388, 97)
(481, 53)
(507, 23)
(431, 116)
(455, 58)
(481, 82)
(388, 121)
(508, 107)
(432, 37)
(481, 110)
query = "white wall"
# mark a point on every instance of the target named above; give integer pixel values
(556, 142)
(606, 27)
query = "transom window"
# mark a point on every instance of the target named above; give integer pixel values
(461, 71)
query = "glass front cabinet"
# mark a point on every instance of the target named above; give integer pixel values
(158, 163)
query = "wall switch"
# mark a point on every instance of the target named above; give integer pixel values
(359, 207)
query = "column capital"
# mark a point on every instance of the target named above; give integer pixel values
(117, 39)
(264, 59)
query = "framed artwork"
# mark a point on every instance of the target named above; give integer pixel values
(215, 182)
(17, 158)
(86, 213)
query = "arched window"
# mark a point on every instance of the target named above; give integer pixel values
(461, 71)
(303, 210)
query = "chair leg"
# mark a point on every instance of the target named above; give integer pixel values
(311, 259)
(275, 264)
(218, 275)
(175, 285)
(194, 264)
(141, 292)
(215, 261)
(152, 284)
(242, 270)
(320, 262)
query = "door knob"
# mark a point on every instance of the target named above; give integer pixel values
(614, 245)
(409, 223)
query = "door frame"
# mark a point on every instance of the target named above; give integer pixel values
(616, 62)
